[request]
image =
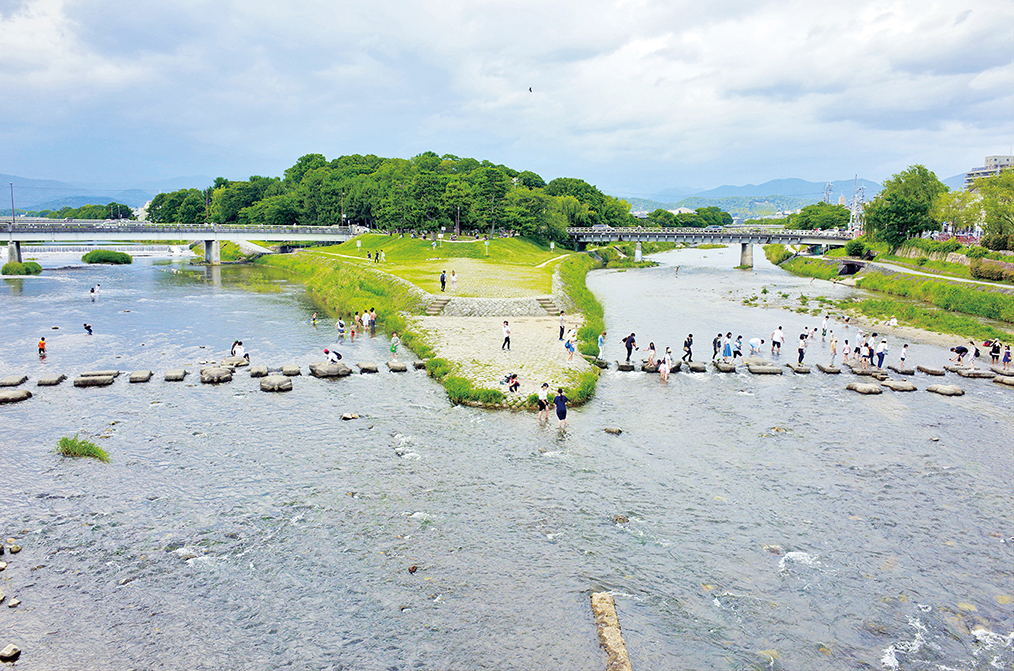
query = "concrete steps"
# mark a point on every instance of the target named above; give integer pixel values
(549, 306)
(437, 306)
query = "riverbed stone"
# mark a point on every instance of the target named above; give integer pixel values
(329, 369)
(51, 380)
(764, 370)
(14, 603)
(830, 370)
(175, 375)
(100, 373)
(613, 430)
(10, 653)
(902, 371)
(953, 367)
(216, 375)
(946, 389)
(697, 366)
(397, 366)
(276, 383)
(235, 361)
(723, 367)
(258, 371)
(798, 368)
(421, 365)
(141, 376)
(977, 373)
(367, 367)
(676, 367)
(291, 370)
(1004, 379)
(625, 366)
(865, 387)
(349, 415)
(1000, 371)
(649, 368)
(13, 380)
(931, 371)
(898, 385)
(14, 548)
(869, 372)
(94, 381)
(600, 363)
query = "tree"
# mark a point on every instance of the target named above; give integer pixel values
(306, 163)
(819, 216)
(714, 216)
(278, 210)
(661, 217)
(960, 208)
(690, 220)
(902, 209)
(530, 180)
(997, 194)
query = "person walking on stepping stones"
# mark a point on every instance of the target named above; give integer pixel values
(802, 347)
(561, 407)
(716, 346)
(628, 342)
(688, 352)
(561, 328)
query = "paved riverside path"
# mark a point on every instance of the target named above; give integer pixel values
(537, 354)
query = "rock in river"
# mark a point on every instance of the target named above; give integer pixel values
(14, 395)
(276, 383)
(216, 375)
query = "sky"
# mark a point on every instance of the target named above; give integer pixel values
(635, 96)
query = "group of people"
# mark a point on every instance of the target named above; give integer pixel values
(443, 281)
(358, 323)
(376, 257)
(999, 353)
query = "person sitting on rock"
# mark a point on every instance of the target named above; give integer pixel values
(240, 351)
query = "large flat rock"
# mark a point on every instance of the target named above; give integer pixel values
(421, 365)
(1004, 379)
(953, 367)
(367, 367)
(798, 368)
(625, 366)
(235, 361)
(175, 375)
(291, 370)
(276, 383)
(100, 373)
(140, 376)
(51, 380)
(14, 395)
(869, 372)
(946, 389)
(865, 387)
(258, 371)
(1000, 371)
(977, 373)
(397, 366)
(94, 381)
(902, 371)
(329, 369)
(697, 366)
(723, 367)
(216, 375)
(13, 380)
(764, 370)
(649, 367)
(931, 371)
(830, 370)
(898, 385)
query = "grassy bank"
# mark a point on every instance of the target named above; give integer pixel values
(777, 254)
(810, 267)
(572, 273)
(967, 299)
(929, 319)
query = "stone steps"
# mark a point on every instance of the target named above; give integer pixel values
(549, 306)
(437, 306)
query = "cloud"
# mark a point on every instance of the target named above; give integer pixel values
(630, 94)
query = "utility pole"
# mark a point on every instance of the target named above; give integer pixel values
(12, 203)
(457, 223)
(343, 207)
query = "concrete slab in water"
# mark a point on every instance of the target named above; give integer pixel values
(946, 389)
(397, 366)
(953, 367)
(977, 373)
(898, 385)
(865, 387)
(141, 376)
(328, 369)
(764, 370)
(94, 381)
(51, 380)
(14, 395)
(13, 380)
(235, 361)
(830, 370)
(1004, 379)
(258, 371)
(216, 375)
(649, 368)
(931, 371)
(367, 367)
(697, 367)
(291, 369)
(175, 375)
(724, 367)
(902, 371)
(100, 373)
(798, 368)
(625, 366)
(276, 383)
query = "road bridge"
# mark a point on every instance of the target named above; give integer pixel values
(47, 230)
(746, 237)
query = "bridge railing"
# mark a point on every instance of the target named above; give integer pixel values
(714, 232)
(184, 230)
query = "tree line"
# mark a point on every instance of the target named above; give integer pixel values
(425, 193)
(113, 210)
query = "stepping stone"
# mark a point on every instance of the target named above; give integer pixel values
(175, 375)
(676, 367)
(898, 385)
(953, 367)
(625, 366)
(100, 373)
(328, 369)
(276, 383)
(1000, 371)
(235, 361)
(258, 371)
(830, 370)
(977, 373)
(94, 381)
(397, 366)
(421, 365)
(1004, 379)
(600, 363)
(798, 368)
(51, 380)
(865, 388)
(14, 395)
(649, 368)
(764, 370)
(931, 371)
(216, 375)
(13, 380)
(291, 370)
(367, 367)
(697, 367)
(946, 389)
(870, 372)
(724, 367)
(141, 376)
(902, 371)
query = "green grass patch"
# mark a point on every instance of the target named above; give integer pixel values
(809, 267)
(928, 265)
(777, 254)
(460, 390)
(107, 256)
(710, 245)
(572, 273)
(15, 268)
(970, 299)
(228, 251)
(79, 447)
(930, 319)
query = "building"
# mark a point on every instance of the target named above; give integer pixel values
(994, 164)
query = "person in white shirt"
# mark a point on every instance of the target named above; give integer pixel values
(506, 337)
(755, 345)
(777, 338)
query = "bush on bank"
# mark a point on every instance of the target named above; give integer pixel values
(971, 300)
(777, 254)
(15, 268)
(107, 256)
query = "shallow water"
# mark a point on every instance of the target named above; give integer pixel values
(237, 529)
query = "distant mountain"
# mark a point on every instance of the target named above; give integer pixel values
(674, 193)
(956, 183)
(46, 194)
(799, 188)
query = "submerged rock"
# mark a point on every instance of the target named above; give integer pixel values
(51, 380)
(946, 389)
(865, 387)
(175, 375)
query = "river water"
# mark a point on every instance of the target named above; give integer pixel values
(741, 522)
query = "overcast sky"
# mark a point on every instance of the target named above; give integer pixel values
(631, 95)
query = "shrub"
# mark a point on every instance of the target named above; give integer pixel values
(933, 246)
(438, 368)
(976, 252)
(572, 273)
(855, 248)
(999, 242)
(777, 254)
(989, 271)
(79, 447)
(107, 256)
(15, 268)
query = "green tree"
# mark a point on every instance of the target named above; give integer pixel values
(714, 216)
(660, 217)
(306, 163)
(690, 220)
(819, 216)
(277, 210)
(997, 202)
(959, 208)
(902, 209)
(530, 180)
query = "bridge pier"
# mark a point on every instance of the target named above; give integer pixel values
(637, 252)
(212, 253)
(746, 255)
(14, 252)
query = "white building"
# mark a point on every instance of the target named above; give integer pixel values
(994, 164)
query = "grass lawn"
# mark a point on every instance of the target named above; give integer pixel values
(510, 271)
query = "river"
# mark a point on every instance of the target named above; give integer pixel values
(741, 521)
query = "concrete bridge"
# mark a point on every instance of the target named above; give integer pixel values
(47, 230)
(746, 237)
